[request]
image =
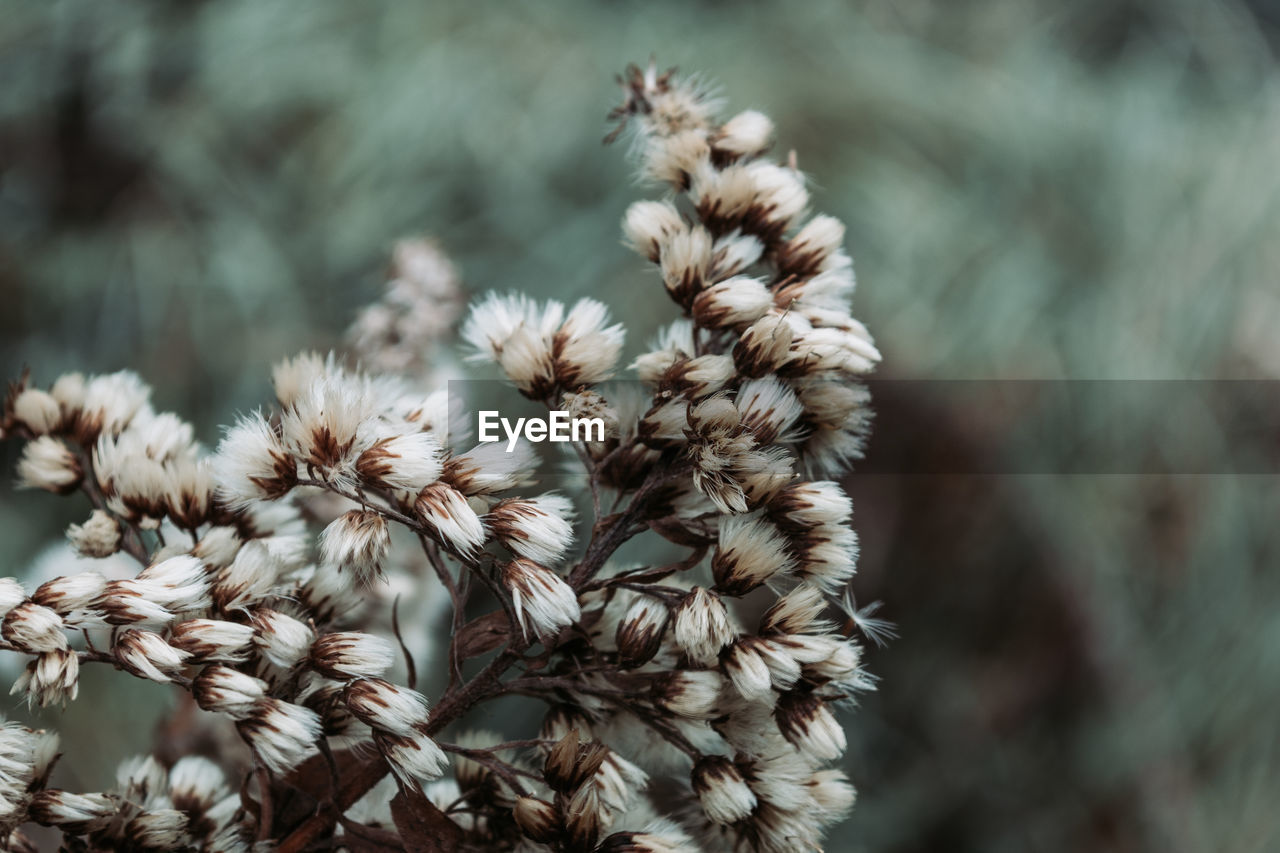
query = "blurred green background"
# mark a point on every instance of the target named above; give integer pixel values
(1034, 189)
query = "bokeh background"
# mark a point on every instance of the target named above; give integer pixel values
(1034, 190)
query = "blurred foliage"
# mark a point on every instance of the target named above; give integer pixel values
(1033, 189)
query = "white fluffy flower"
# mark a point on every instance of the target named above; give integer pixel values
(544, 603)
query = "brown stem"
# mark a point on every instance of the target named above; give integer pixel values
(647, 575)
(459, 607)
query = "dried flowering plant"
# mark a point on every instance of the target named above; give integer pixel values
(713, 674)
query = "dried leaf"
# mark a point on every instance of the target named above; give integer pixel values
(483, 634)
(423, 827)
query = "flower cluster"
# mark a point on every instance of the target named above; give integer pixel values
(709, 679)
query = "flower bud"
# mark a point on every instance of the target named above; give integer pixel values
(358, 540)
(52, 678)
(639, 634)
(382, 705)
(344, 656)
(252, 464)
(745, 135)
(815, 248)
(807, 722)
(763, 346)
(33, 628)
(48, 464)
(538, 529)
(209, 640)
(571, 762)
(74, 814)
(407, 463)
(227, 691)
(689, 693)
(414, 757)
(721, 790)
(67, 594)
(158, 829)
(543, 602)
(833, 794)
(702, 626)
(281, 734)
(649, 224)
(537, 819)
(747, 671)
(748, 553)
(98, 537)
(445, 510)
(11, 595)
(283, 639)
(147, 655)
(732, 302)
(37, 410)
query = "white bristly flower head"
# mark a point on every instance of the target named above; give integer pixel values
(158, 829)
(213, 640)
(33, 628)
(283, 639)
(281, 734)
(702, 626)
(357, 541)
(227, 691)
(800, 611)
(11, 595)
(37, 410)
(251, 463)
(408, 462)
(809, 725)
(639, 634)
(748, 553)
(334, 419)
(351, 655)
(538, 529)
(97, 538)
(832, 793)
(147, 655)
(804, 506)
(178, 583)
(747, 134)
(109, 403)
(721, 790)
(689, 693)
(48, 464)
(19, 755)
(816, 248)
(383, 706)
(735, 301)
(649, 224)
(52, 678)
(248, 579)
(446, 512)
(415, 758)
(70, 593)
(488, 468)
(196, 783)
(764, 346)
(76, 814)
(586, 348)
(543, 602)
